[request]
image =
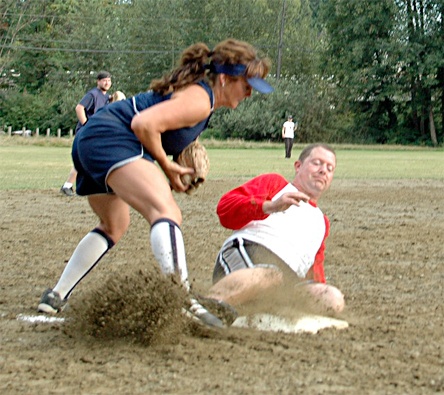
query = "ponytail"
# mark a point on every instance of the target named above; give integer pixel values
(191, 68)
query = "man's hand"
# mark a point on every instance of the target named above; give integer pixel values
(284, 202)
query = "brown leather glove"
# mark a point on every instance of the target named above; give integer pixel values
(195, 156)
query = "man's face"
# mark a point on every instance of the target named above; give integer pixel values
(104, 84)
(315, 174)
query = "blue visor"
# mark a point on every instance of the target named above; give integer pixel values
(260, 85)
(235, 70)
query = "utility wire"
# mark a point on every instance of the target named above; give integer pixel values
(125, 20)
(43, 49)
(153, 51)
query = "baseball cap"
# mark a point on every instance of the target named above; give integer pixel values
(234, 70)
(103, 74)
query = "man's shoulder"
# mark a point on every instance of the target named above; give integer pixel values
(91, 93)
(274, 176)
(274, 181)
(97, 92)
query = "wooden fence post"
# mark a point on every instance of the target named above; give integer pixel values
(37, 131)
(9, 131)
(48, 132)
(70, 133)
(59, 133)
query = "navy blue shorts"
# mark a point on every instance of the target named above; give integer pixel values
(98, 150)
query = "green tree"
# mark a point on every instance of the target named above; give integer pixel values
(361, 62)
(261, 117)
(386, 59)
(60, 45)
(421, 32)
(16, 19)
(301, 44)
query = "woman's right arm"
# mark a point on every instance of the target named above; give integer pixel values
(185, 108)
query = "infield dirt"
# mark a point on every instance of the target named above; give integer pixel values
(385, 252)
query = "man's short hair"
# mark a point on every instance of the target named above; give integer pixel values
(103, 74)
(307, 150)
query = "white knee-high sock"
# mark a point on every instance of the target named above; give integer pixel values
(169, 249)
(87, 254)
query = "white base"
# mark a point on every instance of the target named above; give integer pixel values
(40, 319)
(273, 323)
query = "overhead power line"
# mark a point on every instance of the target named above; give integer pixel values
(145, 18)
(130, 51)
(43, 49)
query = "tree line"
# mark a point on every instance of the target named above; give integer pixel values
(349, 71)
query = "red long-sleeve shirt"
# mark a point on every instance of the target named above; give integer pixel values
(242, 205)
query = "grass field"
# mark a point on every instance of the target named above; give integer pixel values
(43, 166)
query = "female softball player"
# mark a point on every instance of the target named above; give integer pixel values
(116, 151)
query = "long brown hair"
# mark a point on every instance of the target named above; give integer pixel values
(194, 62)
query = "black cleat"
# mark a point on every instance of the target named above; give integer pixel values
(51, 303)
(199, 313)
(67, 191)
(224, 311)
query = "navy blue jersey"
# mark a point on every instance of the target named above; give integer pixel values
(107, 141)
(93, 100)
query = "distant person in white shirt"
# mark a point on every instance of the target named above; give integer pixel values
(288, 135)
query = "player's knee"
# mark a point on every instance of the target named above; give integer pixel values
(337, 300)
(327, 298)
